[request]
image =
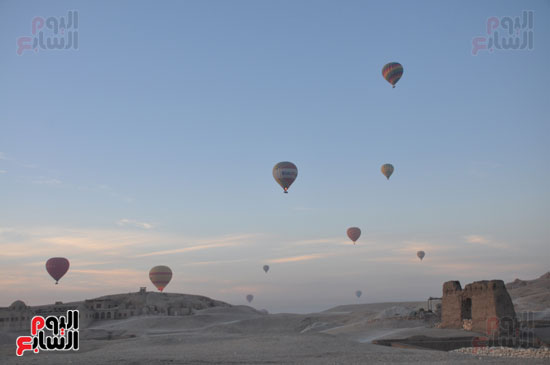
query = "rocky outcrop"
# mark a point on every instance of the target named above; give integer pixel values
(531, 295)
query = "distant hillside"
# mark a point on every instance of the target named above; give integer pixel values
(196, 302)
(531, 295)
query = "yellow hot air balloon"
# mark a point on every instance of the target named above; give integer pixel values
(285, 173)
(160, 276)
(387, 170)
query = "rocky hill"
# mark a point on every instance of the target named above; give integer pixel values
(531, 295)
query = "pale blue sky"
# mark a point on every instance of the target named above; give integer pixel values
(160, 132)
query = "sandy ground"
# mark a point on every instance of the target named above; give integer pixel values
(241, 335)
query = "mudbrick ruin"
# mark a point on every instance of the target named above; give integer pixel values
(483, 306)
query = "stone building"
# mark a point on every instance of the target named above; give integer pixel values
(18, 315)
(482, 306)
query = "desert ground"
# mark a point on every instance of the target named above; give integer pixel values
(243, 335)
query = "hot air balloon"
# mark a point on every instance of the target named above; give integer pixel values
(160, 276)
(420, 255)
(285, 173)
(249, 298)
(57, 267)
(358, 293)
(266, 268)
(387, 170)
(392, 72)
(354, 233)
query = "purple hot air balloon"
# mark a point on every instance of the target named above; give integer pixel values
(57, 267)
(354, 233)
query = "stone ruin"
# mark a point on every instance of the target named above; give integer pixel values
(110, 307)
(482, 306)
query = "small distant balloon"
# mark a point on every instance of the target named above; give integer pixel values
(57, 267)
(266, 268)
(358, 293)
(387, 170)
(420, 255)
(354, 233)
(249, 298)
(160, 276)
(285, 173)
(392, 72)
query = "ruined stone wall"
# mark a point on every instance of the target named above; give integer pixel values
(490, 301)
(451, 305)
(484, 302)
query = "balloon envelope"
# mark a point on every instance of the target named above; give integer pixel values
(160, 276)
(57, 267)
(266, 268)
(354, 233)
(392, 72)
(420, 255)
(285, 173)
(249, 298)
(358, 293)
(387, 170)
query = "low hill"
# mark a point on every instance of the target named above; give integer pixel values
(531, 295)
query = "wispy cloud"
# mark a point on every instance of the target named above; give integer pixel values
(133, 223)
(3, 156)
(102, 242)
(111, 273)
(297, 258)
(316, 241)
(3, 171)
(476, 238)
(42, 241)
(244, 289)
(75, 263)
(47, 181)
(412, 247)
(192, 248)
(219, 262)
